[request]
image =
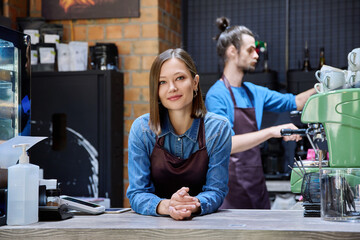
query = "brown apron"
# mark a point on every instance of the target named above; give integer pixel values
(247, 188)
(170, 173)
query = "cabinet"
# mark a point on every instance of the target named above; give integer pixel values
(81, 113)
(300, 81)
(266, 79)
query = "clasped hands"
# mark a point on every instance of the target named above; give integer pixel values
(180, 206)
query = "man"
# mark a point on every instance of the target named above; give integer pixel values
(243, 104)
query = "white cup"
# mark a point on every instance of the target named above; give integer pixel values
(352, 78)
(331, 79)
(325, 68)
(354, 60)
(320, 88)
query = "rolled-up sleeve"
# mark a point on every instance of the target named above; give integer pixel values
(141, 190)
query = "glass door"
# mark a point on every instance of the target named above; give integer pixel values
(15, 76)
(9, 83)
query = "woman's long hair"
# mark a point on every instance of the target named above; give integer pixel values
(157, 110)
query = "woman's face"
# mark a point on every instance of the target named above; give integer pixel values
(176, 86)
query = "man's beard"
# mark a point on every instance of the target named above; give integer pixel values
(249, 69)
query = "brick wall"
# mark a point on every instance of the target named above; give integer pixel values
(139, 40)
(13, 9)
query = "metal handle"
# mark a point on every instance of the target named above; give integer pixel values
(295, 113)
(288, 132)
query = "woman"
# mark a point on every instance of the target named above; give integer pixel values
(179, 153)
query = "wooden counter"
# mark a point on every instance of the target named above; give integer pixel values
(225, 224)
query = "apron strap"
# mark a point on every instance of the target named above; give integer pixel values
(227, 85)
(201, 136)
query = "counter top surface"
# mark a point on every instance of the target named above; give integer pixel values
(224, 224)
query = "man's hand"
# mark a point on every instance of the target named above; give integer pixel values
(275, 131)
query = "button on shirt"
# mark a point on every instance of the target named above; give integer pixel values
(142, 141)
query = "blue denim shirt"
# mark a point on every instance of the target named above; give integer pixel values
(141, 143)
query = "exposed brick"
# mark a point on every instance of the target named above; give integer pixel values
(91, 43)
(150, 30)
(146, 47)
(162, 32)
(84, 21)
(125, 172)
(19, 4)
(147, 62)
(119, 62)
(140, 109)
(132, 94)
(132, 63)
(147, 15)
(124, 47)
(96, 33)
(79, 33)
(128, 124)
(113, 32)
(149, 3)
(132, 31)
(125, 144)
(145, 94)
(177, 13)
(162, 4)
(37, 5)
(125, 155)
(112, 20)
(66, 33)
(164, 46)
(168, 6)
(140, 79)
(127, 110)
(126, 200)
(126, 78)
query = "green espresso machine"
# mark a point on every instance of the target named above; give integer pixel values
(334, 116)
(337, 114)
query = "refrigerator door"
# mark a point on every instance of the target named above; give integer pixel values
(14, 84)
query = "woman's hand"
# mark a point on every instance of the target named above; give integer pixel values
(182, 205)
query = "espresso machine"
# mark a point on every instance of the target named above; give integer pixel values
(333, 117)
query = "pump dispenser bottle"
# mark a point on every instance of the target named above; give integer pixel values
(23, 191)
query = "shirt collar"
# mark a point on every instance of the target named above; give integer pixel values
(191, 133)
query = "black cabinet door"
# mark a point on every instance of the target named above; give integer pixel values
(81, 113)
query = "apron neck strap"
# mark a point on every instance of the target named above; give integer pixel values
(228, 86)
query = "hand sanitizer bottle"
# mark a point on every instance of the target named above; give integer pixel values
(23, 191)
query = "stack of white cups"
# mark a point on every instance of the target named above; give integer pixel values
(331, 78)
(352, 75)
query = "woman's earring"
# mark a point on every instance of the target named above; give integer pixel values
(195, 93)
